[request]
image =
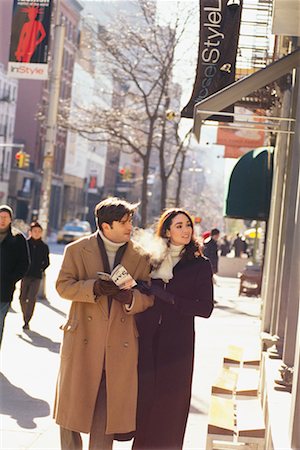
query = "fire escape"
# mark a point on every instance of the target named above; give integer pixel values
(255, 50)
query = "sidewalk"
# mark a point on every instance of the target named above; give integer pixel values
(29, 365)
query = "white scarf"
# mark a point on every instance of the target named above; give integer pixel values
(171, 258)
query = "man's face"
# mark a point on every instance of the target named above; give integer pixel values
(5, 220)
(36, 233)
(119, 231)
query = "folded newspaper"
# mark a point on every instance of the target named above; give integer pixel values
(119, 276)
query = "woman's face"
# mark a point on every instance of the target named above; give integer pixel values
(180, 232)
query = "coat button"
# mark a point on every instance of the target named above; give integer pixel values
(89, 317)
(126, 344)
(122, 320)
(85, 341)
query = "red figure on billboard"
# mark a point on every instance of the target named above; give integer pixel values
(32, 34)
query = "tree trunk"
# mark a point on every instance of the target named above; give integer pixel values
(146, 160)
(163, 195)
(144, 196)
(180, 173)
(162, 168)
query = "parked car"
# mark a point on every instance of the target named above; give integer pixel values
(250, 280)
(72, 231)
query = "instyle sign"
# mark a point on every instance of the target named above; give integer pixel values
(218, 41)
(30, 37)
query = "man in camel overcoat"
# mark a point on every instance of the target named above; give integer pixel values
(97, 384)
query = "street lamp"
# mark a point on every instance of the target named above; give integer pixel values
(54, 87)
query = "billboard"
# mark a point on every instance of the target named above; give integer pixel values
(30, 37)
(218, 41)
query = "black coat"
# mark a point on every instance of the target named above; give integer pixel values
(14, 262)
(166, 354)
(39, 257)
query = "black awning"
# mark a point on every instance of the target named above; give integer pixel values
(249, 190)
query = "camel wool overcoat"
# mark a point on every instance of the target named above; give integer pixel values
(96, 339)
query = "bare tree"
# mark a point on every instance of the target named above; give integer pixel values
(171, 159)
(139, 57)
(180, 167)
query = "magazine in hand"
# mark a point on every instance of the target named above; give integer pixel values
(119, 276)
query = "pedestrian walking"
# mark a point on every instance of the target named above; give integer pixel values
(14, 261)
(183, 288)
(39, 261)
(238, 245)
(210, 249)
(97, 382)
(225, 246)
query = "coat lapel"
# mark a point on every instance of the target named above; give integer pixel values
(130, 259)
(93, 263)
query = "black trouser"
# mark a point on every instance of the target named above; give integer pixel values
(28, 294)
(4, 307)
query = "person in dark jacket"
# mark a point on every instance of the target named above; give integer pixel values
(225, 246)
(183, 288)
(210, 249)
(39, 261)
(239, 246)
(14, 261)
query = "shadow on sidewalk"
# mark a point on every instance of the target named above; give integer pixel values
(46, 303)
(198, 405)
(37, 340)
(17, 404)
(234, 310)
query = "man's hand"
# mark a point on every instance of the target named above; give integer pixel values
(124, 296)
(102, 287)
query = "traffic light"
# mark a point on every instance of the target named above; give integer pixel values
(125, 174)
(26, 162)
(122, 172)
(170, 115)
(20, 159)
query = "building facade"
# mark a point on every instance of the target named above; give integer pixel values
(30, 120)
(280, 355)
(8, 97)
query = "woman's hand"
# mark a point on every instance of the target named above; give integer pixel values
(162, 294)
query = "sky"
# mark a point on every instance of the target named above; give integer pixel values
(186, 53)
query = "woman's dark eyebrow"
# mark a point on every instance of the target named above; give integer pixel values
(180, 223)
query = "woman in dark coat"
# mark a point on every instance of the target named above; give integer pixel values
(183, 288)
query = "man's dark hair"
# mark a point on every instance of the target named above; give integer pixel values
(214, 232)
(35, 225)
(113, 209)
